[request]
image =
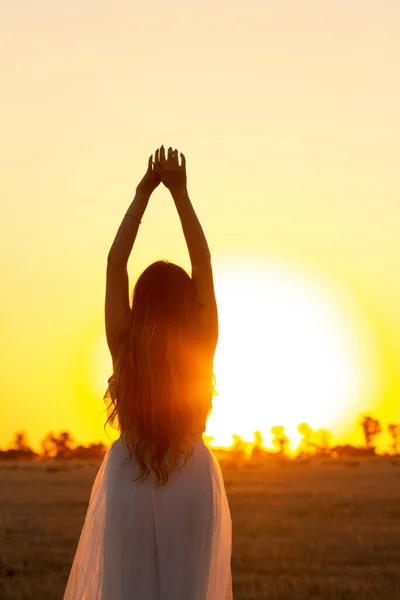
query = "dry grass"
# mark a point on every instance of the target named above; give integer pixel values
(320, 530)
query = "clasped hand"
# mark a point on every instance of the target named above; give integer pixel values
(164, 169)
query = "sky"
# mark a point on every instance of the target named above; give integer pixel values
(287, 113)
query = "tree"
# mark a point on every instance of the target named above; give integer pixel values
(257, 450)
(371, 428)
(280, 439)
(57, 446)
(394, 430)
(20, 442)
(238, 447)
(324, 441)
(19, 448)
(306, 445)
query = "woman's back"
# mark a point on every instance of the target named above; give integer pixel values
(141, 541)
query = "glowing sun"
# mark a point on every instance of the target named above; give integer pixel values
(290, 350)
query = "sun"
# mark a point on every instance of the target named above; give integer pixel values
(289, 351)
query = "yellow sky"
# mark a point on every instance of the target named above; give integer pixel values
(287, 113)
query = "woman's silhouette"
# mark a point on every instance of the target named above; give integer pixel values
(158, 524)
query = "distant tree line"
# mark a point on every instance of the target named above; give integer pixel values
(62, 446)
(53, 446)
(316, 442)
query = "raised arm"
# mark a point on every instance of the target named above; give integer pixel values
(173, 175)
(117, 308)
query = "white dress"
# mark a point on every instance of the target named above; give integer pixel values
(142, 542)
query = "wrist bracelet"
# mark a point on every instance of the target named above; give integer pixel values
(133, 217)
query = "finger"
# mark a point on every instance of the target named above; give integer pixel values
(183, 160)
(152, 166)
(170, 153)
(162, 155)
(157, 159)
(175, 156)
(150, 163)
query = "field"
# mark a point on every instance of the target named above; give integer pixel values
(320, 530)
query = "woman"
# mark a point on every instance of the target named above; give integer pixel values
(158, 524)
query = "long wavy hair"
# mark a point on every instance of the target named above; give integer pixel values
(164, 379)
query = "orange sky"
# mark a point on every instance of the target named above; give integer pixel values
(288, 115)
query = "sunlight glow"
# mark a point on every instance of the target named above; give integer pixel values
(288, 352)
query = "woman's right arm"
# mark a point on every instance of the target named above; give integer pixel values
(173, 176)
(200, 259)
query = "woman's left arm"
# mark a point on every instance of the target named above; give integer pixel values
(117, 308)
